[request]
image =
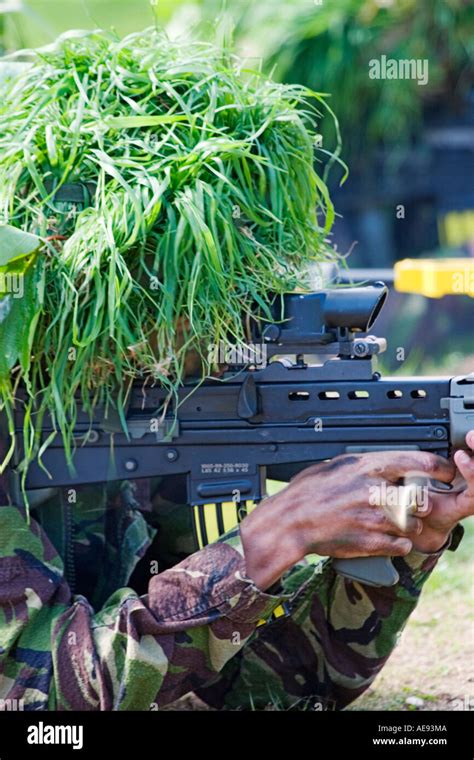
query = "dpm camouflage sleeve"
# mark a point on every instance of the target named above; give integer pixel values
(136, 653)
(338, 636)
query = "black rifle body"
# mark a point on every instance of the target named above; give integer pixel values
(228, 435)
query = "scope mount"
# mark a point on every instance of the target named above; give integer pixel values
(338, 341)
(329, 322)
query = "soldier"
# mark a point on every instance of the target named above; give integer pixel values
(74, 636)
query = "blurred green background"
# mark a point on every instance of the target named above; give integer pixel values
(40, 21)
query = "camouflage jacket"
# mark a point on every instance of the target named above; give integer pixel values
(105, 604)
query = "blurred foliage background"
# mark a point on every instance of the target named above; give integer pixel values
(37, 22)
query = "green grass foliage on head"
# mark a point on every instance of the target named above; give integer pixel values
(204, 200)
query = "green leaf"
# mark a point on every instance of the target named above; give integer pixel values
(18, 318)
(16, 244)
(124, 122)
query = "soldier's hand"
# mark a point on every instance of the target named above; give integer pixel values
(329, 509)
(446, 510)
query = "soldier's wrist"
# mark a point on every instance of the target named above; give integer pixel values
(268, 544)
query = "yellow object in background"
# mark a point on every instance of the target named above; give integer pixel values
(456, 228)
(435, 278)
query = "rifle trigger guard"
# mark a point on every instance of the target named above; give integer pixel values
(438, 486)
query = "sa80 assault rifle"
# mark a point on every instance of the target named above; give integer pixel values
(227, 435)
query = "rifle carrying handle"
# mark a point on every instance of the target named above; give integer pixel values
(373, 571)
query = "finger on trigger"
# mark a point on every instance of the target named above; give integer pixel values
(394, 465)
(431, 466)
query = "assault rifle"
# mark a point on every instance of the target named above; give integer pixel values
(314, 394)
